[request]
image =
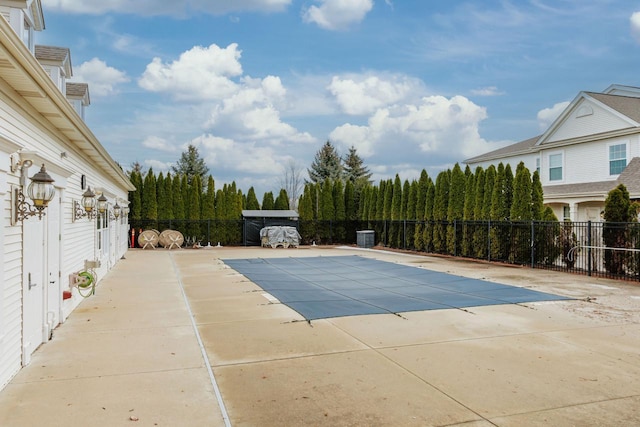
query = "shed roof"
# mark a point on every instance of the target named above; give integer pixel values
(270, 214)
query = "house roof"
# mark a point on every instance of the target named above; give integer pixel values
(52, 53)
(78, 91)
(630, 177)
(627, 105)
(513, 149)
(22, 72)
(248, 213)
(585, 188)
(60, 56)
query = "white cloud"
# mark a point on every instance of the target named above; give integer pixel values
(548, 115)
(363, 94)
(157, 143)
(165, 7)
(436, 126)
(487, 91)
(635, 26)
(199, 74)
(158, 166)
(102, 79)
(337, 14)
(224, 154)
(251, 113)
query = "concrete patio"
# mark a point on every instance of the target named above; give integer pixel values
(176, 338)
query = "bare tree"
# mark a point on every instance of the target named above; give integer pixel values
(292, 181)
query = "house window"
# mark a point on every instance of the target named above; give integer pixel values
(566, 213)
(27, 35)
(538, 165)
(555, 167)
(617, 158)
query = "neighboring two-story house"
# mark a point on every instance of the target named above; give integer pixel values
(41, 123)
(593, 146)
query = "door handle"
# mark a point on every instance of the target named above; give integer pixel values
(31, 285)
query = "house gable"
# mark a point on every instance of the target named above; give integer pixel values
(588, 116)
(623, 90)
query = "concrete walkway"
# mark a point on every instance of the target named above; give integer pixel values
(127, 353)
(131, 355)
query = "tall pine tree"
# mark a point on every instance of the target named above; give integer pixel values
(326, 165)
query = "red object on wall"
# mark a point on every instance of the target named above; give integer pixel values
(133, 238)
(66, 295)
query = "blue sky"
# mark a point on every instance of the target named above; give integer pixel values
(260, 84)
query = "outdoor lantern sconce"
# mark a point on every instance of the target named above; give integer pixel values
(40, 191)
(116, 210)
(86, 206)
(102, 203)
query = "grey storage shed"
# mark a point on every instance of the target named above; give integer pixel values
(256, 220)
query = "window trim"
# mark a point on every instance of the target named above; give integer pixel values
(626, 153)
(562, 166)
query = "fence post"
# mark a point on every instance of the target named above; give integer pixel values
(489, 240)
(404, 234)
(533, 244)
(385, 232)
(588, 249)
(455, 237)
(331, 232)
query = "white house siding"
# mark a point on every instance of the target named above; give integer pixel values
(600, 121)
(10, 294)
(34, 116)
(528, 159)
(587, 161)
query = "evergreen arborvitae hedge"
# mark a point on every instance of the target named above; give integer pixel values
(455, 208)
(617, 209)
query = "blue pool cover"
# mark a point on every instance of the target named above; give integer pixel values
(335, 286)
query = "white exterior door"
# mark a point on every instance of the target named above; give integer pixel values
(33, 285)
(53, 285)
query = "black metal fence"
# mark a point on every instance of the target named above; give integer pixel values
(593, 248)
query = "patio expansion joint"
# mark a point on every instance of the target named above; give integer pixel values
(415, 375)
(496, 336)
(203, 351)
(573, 405)
(298, 357)
(590, 349)
(88, 377)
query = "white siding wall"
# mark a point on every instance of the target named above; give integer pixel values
(586, 162)
(529, 161)
(11, 342)
(18, 126)
(600, 121)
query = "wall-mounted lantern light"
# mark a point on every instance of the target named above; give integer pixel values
(40, 191)
(116, 210)
(102, 203)
(86, 206)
